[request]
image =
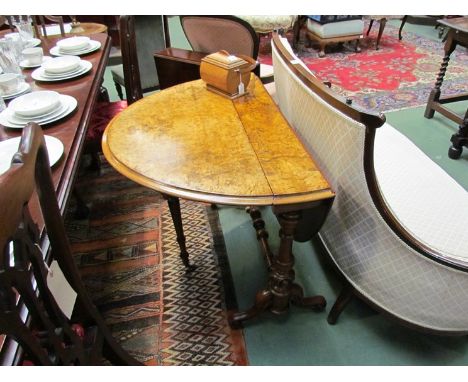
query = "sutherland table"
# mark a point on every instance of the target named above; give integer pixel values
(187, 142)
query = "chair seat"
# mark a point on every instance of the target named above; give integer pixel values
(267, 24)
(103, 113)
(380, 17)
(266, 70)
(424, 198)
(336, 29)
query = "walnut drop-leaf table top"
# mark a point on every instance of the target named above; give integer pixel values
(188, 142)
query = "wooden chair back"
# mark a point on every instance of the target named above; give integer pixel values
(29, 312)
(41, 21)
(140, 37)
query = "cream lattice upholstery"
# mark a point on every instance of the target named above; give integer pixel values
(374, 259)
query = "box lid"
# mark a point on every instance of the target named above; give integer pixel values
(224, 60)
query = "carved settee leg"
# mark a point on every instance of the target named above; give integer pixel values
(341, 302)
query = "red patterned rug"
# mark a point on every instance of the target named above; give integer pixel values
(399, 75)
(129, 260)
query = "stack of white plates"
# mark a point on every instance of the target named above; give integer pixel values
(9, 148)
(75, 46)
(61, 68)
(42, 107)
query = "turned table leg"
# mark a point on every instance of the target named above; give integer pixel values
(434, 96)
(281, 289)
(262, 234)
(459, 139)
(174, 208)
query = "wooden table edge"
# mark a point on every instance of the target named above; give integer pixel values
(66, 184)
(233, 200)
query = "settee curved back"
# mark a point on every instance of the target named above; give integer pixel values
(384, 263)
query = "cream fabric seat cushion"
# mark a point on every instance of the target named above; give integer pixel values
(423, 197)
(338, 29)
(269, 23)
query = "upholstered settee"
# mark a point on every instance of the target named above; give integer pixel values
(397, 230)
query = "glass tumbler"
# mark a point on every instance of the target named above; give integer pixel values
(25, 30)
(9, 61)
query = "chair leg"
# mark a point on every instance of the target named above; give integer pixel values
(95, 164)
(322, 50)
(358, 47)
(341, 302)
(298, 24)
(82, 210)
(119, 90)
(103, 95)
(370, 26)
(383, 22)
(403, 22)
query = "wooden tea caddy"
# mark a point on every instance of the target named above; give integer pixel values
(223, 73)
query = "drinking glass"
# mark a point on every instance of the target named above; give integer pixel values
(24, 27)
(16, 44)
(25, 30)
(9, 60)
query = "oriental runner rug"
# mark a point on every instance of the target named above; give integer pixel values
(129, 260)
(399, 75)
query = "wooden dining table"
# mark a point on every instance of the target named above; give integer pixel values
(71, 130)
(188, 142)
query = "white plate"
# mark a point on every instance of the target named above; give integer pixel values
(39, 73)
(23, 88)
(61, 65)
(61, 110)
(93, 45)
(32, 43)
(70, 105)
(35, 104)
(9, 148)
(73, 43)
(24, 63)
(73, 72)
(16, 119)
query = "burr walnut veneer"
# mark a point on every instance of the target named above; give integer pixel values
(187, 142)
